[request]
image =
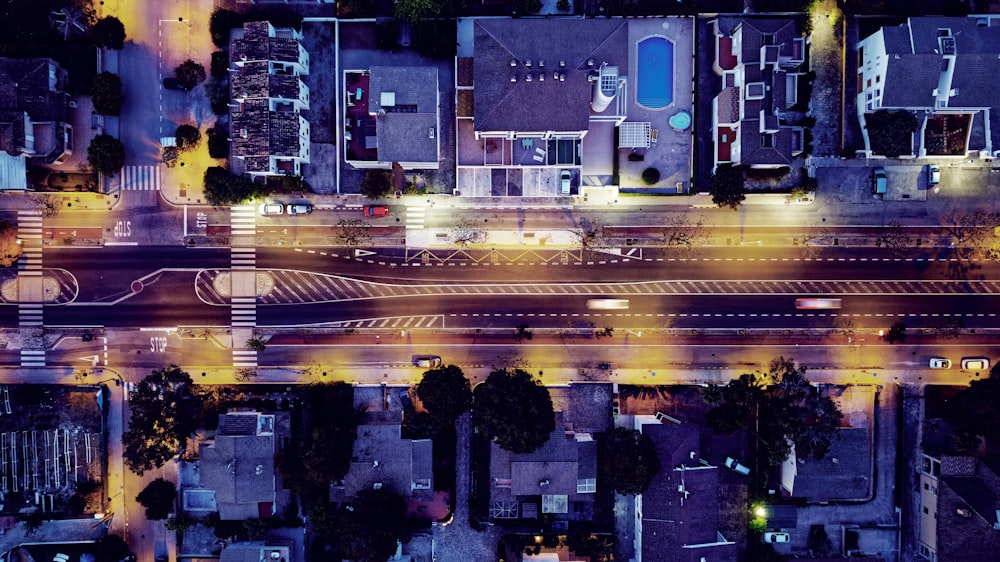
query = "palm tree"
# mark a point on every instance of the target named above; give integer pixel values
(69, 20)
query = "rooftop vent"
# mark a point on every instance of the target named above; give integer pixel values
(513, 62)
(562, 64)
(590, 62)
(541, 77)
(544, 483)
(374, 464)
(528, 78)
(562, 77)
(513, 78)
(377, 486)
(527, 63)
(541, 63)
(258, 470)
(430, 133)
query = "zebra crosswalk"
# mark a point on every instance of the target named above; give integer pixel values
(29, 314)
(243, 258)
(244, 358)
(32, 357)
(29, 231)
(243, 220)
(415, 218)
(141, 178)
(244, 313)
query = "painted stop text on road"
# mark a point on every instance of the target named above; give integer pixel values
(158, 344)
(123, 229)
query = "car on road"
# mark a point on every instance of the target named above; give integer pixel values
(939, 363)
(933, 174)
(376, 210)
(817, 304)
(975, 363)
(774, 538)
(299, 209)
(272, 208)
(607, 304)
(426, 361)
(878, 181)
(735, 465)
(171, 83)
(404, 399)
(564, 181)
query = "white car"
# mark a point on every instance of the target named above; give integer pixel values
(607, 304)
(773, 538)
(933, 174)
(817, 304)
(564, 180)
(940, 363)
(735, 465)
(975, 363)
(273, 208)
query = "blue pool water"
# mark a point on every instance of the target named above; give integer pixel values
(655, 64)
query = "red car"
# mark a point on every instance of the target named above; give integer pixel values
(376, 210)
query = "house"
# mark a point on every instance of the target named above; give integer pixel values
(34, 111)
(256, 551)
(677, 517)
(393, 117)
(760, 61)
(383, 459)
(844, 474)
(959, 509)
(236, 469)
(937, 69)
(559, 479)
(269, 135)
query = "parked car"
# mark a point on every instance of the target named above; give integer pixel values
(272, 208)
(735, 465)
(564, 181)
(299, 209)
(975, 363)
(933, 174)
(773, 538)
(940, 363)
(171, 83)
(404, 398)
(426, 360)
(376, 210)
(879, 181)
(607, 304)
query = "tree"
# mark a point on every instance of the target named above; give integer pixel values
(353, 233)
(589, 234)
(188, 137)
(164, 414)
(897, 333)
(171, 155)
(415, 10)
(220, 65)
(371, 525)
(190, 73)
(221, 23)
(10, 249)
(158, 498)
(893, 238)
(445, 393)
(376, 184)
(514, 409)
(108, 32)
(223, 188)
(890, 133)
(106, 154)
(974, 412)
(679, 231)
(522, 333)
(650, 176)
(466, 232)
(110, 548)
(218, 142)
(726, 186)
(627, 460)
(107, 94)
(257, 344)
(33, 522)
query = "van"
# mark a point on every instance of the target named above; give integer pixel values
(879, 181)
(735, 465)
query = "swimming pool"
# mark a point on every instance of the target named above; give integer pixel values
(655, 65)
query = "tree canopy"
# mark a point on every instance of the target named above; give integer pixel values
(726, 186)
(223, 188)
(158, 498)
(627, 460)
(445, 393)
(975, 413)
(188, 137)
(107, 94)
(106, 154)
(221, 23)
(164, 412)
(788, 411)
(376, 184)
(10, 250)
(371, 525)
(190, 73)
(108, 32)
(515, 409)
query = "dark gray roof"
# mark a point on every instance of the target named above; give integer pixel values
(238, 424)
(550, 105)
(897, 39)
(910, 80)
(257, 45)
(844, 474)
(753, 151)
(259, 132)
(671, 519)
(404, 128)
(262, 85)
(241, 471)
(973, 538)
(754, 31)
(382, 456)
(33, 86)
(406, 137)
(412, 85)
(970, 38)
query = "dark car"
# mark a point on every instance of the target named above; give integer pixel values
(175, 84)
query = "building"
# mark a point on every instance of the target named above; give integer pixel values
(34, 111)
(559, 479)
(844, 474)
(256, 551)
(935, 68)
(677, 517)
(959, 509)
(383, 459)
(393, 117)
(761, 62)
(236, 469)
(270, 137)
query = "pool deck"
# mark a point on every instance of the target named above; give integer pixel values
(672, 152)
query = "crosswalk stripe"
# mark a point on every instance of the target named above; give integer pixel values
(141, 178)
(32, 357)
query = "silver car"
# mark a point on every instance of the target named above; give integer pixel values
(940, 363)
(299, 209)
(273, 208)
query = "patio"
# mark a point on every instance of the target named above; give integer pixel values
(359, 126)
